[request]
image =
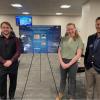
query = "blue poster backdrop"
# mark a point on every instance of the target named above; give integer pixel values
(40, 38)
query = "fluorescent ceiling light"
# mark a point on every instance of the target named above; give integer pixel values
(26, 13)
(16, 5)
(59, 13)
(65, 6)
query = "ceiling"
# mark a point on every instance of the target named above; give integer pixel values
(41, 7)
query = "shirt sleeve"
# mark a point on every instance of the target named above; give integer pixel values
(86, 53)
(2, 60)
(80, 44)
(17, 54)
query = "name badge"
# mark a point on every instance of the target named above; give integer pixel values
(91, 45)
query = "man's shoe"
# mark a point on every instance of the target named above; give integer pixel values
(3, 98)
(11, 98)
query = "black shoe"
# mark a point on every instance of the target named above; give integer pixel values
(11, 98)
(3, 98)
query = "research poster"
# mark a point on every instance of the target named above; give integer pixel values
(40, 38)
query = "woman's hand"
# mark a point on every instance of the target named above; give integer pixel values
(65, 66)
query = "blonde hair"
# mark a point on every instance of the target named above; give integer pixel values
(76, 33)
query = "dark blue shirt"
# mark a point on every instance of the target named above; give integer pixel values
(96, 42)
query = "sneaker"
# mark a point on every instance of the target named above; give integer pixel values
(59, 97)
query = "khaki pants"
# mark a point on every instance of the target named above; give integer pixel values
(93, 84)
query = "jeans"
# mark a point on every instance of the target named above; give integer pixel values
(69, 73)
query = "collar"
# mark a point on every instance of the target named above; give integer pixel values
(97, 36)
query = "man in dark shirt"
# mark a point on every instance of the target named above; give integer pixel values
(92, 64)
(9, 53)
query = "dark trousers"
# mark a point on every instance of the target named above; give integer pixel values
(69, 73)
(3, 84)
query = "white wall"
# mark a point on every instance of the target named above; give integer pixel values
(90, 11)
(44, 20)
(56, 20)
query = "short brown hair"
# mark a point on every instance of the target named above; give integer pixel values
(76, 33)
(98, 18)
(7, 23)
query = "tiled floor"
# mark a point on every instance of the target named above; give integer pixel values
(40, 84)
